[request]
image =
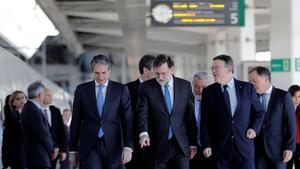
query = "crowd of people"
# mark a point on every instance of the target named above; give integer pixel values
(158, 121)
(35, 132)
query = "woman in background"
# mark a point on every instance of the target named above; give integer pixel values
(295, 93)
(12, 133)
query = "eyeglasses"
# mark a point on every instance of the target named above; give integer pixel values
(217, 67)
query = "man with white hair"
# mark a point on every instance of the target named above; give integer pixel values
(200, 81)
(37, 137)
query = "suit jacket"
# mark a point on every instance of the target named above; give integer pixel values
(37, 136)
(219, 127)
(155, 119)
(58, 129)
(12, 144)
(116, 120)
(133, 88)
(279, 127)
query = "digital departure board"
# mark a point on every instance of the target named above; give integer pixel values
(197, 12)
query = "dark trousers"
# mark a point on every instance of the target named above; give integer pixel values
(98, 158)
(17, 158)
(174, 160)
(232, 159)
(262, 161)
(295, 160)
(200, 162)
(140, 159)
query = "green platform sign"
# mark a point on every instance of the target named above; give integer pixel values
(281, 65)
(297, 64)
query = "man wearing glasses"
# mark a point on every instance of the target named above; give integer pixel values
(232, 117)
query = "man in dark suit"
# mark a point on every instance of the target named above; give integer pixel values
(67, 114)
(139, 157)
(166, 117)
(101, 127)
(38, 144)
(57, 130)
(277, 140)
(232, 116)
(200, 81)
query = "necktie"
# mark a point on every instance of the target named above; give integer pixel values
(100, 102)
(45, 113)
(263, 99)
(198, 120)
(226, 98)
(169, 106)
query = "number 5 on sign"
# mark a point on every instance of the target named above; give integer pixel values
(233, 18)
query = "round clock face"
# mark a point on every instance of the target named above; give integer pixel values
(162, 13)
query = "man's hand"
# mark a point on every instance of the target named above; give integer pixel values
(193, 152)
(144, 141)
(287, 155)
(55, 153)
(126, 155)
(73, 159)
(251, 134)
(207, 152)
(63, 156)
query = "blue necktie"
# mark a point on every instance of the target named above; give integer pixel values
(169, 107)
(226, 98)
(100, 102)
(198, 119)
(263, 99)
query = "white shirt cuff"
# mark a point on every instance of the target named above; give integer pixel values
(128, 148)
(144, 134)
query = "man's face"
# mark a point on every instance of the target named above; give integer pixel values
(67, 116)
(261, 83)
(221, 72)
(163, 73)
(101, 73)
(47, 97)
(199, 85)
(41, 97)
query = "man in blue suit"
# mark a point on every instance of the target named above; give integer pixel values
(101, 127)
(166, 117)
(232, 116)
(277, 140)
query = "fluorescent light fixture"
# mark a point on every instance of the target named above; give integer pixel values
(263, 56)
(24, 25)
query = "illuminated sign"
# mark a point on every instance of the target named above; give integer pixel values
(197, 12)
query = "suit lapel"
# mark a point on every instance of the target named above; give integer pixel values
(92, 95)
(271, 101)
(159, 93)
(176, 89)
(238, 88)
(108, 95)
(220, 97)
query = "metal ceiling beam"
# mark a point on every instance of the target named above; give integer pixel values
(86, 6)
(61, 23)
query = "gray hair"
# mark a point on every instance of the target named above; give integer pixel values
(34, 89)
(201, 75)
(101, 59)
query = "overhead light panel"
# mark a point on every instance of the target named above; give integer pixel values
(24, 25)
